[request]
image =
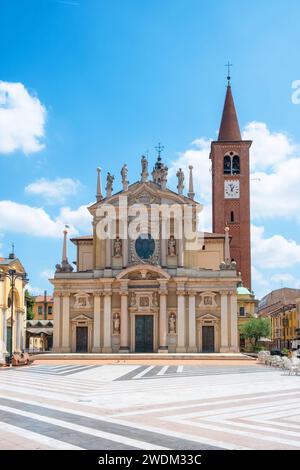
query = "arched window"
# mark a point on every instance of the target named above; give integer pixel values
(236, 165)
(231, 164)
(227, 165)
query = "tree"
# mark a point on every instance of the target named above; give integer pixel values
(256, 328)
(30, 301)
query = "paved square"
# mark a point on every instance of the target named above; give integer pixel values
(90, 406)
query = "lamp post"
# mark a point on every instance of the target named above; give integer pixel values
(12, 275)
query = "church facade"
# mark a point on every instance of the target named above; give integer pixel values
(146, 279)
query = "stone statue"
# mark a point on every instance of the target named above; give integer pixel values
(124, 173)
(144, 174)
(117, 247)
(133, 299)
(172, 246)
(180, 176)
(155, 299)
(172, 324)
(109, 184)
(116, 324)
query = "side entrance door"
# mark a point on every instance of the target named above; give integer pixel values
(208, 339)
(144, 333)
(81, 339)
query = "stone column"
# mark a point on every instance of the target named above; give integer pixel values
(56, 322)
(66, 323)
(224, 322)
(192, 323)
(4, 328)
(234, 342)
(17, 332)
(163, 243)
(181, 321)
(108, 253)
(125, 252)
(163, 322)
(180, 253)
(97, 328)
(124, 336)
(107, 321)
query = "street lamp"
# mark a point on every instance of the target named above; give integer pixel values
(12, 275)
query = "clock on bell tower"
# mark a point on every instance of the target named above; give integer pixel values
(230, 187)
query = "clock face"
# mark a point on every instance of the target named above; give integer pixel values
(231, 189)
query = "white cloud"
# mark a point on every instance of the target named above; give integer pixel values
(47, 274)
(273, 252)
(268, 148)
(21, 218)
(22, 119)
(283, 277)
(35, 221)
(34, 290)
(55, 191)
(79, 218)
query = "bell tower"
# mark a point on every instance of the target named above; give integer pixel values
(230, 187)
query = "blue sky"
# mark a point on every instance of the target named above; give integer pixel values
(101, 82)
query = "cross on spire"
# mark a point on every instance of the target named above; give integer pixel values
(228, 65)
(159, 148)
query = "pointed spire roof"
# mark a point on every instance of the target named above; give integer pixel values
(229, 128)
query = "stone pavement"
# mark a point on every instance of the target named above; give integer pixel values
(91, 406)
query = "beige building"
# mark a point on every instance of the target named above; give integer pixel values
(9, 328)
(146, 293)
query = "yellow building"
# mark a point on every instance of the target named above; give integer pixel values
(12, 306)
(246, 309)
(280, 307)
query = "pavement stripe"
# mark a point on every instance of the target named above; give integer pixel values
(108, 426)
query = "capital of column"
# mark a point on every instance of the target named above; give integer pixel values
(66, 294)
(98, 293)
(224, 292)
(57, 294)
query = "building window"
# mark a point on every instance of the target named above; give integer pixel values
(40, 310)
(231, 216)
(242, 311)
(231, 164)
(49, 310)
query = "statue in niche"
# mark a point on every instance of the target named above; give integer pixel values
(118, 247)
(172, 246)
(133, 299)
(180, 177)
(82, 302)
(155, 299)
(116, 324)
(172, 324)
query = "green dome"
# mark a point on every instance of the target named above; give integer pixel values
(241, 290)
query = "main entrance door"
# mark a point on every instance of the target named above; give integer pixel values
(144, 333)
(81, 339)
(208, 339)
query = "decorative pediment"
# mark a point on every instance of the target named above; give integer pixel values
(82, 301)
(208, 319)
(208, 300)
(81, 318)
(143, 271)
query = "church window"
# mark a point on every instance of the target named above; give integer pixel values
(231, 164)
(236, 165)
(242, 311)
(227, 165)
(144, 247)
(231, 216)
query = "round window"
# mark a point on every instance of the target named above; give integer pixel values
(144, 247)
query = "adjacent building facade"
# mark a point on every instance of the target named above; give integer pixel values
(280, 306)
(12, 322)
(162, 288)
(43, 307)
